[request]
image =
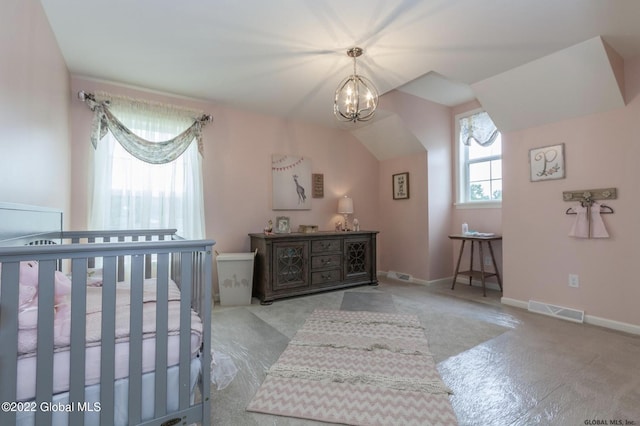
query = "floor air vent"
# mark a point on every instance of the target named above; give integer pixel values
(399, 276)
(556, 311)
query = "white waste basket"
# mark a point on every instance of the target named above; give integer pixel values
(235, 278)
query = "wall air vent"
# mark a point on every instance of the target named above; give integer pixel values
(399, 276)
(556, 311)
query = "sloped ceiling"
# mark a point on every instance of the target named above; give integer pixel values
(388, 138)
(583, 79)
(437, 88)
(580, 80)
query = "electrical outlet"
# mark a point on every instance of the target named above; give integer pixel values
(574, 281)
(487, 261)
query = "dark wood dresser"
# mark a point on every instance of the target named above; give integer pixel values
(295, 264)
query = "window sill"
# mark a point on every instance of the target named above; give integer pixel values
(479, 205)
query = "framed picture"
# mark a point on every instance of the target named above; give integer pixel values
(283, 225)
(400, 186)
(546, 163)
(291, 177)
(318, 185)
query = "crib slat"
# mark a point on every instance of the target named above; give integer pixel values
(162, 325)
(135, 340)
(9, 337)
(78, 338)
(147, 260)
(204, 284)
(186, 260)
(107, 366)
(121, 262)
(92, 261)
(44, 350)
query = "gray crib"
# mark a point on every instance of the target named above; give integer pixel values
(162, 279)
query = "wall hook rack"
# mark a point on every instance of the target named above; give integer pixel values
(586, 197)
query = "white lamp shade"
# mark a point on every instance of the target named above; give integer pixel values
(345, 205)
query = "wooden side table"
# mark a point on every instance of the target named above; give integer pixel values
(471, 273)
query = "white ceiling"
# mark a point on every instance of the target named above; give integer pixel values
(582, 79)
(285, 57)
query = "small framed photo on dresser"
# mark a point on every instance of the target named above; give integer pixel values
(283, 225)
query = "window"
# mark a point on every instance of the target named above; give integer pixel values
(479, 154)
(147, 195)
(129, 193)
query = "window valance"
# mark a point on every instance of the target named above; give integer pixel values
(479, 128)
(106, 110)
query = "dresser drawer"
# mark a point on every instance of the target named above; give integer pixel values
(320, 246)
(331, 276)
(326, 261)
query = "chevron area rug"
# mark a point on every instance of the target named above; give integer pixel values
(357, 368)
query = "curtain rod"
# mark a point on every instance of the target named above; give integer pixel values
(87, 96)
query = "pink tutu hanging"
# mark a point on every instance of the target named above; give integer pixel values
(597, 225)
(588, 227)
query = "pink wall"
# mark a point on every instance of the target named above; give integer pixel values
(404, 230)
(237, 168)
(34, 109)
(431, 124)
(601, 150)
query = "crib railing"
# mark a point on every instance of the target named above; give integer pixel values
(130, 235)
(187, 262)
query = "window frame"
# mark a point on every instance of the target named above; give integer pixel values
(462, 169)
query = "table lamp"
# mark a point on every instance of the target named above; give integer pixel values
(345, 208)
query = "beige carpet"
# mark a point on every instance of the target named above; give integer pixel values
(358, 368)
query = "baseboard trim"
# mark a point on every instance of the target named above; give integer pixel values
(588, 319)
(514, 302)
(446, 281)
(439, 281)
(615, 325)
(414, 280)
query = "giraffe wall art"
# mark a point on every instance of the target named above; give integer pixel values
(291, 182)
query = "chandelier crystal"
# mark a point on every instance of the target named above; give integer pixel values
(356, 97)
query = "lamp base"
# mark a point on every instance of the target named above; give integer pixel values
(345, 224)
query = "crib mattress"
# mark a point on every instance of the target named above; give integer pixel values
(26, 387)
(121, 395)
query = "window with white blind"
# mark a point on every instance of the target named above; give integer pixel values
(479, 155)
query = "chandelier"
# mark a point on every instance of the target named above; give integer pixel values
(356, 97)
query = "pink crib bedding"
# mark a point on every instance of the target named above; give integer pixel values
(27, 337)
